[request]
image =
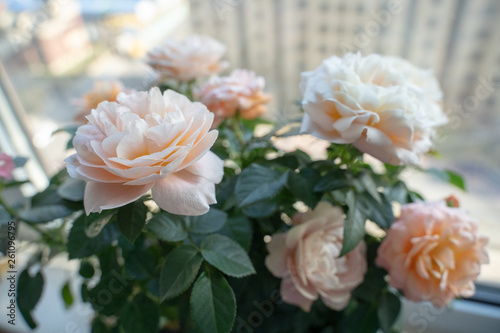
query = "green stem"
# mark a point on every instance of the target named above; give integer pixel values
(194, 243)
(234, 123)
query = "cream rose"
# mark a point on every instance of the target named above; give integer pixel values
(102, 91)
(7, 166)
(384, 106)
(433, 253)
(148, 141)
(307, 259)
(188, 59)
(241, 91)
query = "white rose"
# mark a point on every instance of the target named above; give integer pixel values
(188, 59)
(384, 106)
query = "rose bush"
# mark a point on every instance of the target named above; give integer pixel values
(307, 259)
(148, 141)
(290, 221)
(188, 59)
(384, 106)
(433, 253)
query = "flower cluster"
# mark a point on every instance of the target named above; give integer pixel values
(175, 189)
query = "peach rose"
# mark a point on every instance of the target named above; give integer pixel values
(307, 259)
(148, 141)
(6, 166)
(102, 91)
(384, 106)
(433, 253)
(188, 59)
(241, 91)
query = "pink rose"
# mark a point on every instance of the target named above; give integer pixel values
(102, 91)
(6, 166)
(384, 106)
(433, 253)
(188, 59)
(241, 91)
(307, 259)
(148, 141)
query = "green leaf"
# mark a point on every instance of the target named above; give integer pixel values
(79, 245)
(333, 180)
(140, 315)
(257, 183)
(207, 223)
(179, 271)
(47, 206)
(72, 189)
(260, 209)
(138, 262)
(239, 229)
(363, 319)
(29, 290)
(378, 212)
(20, 161)
(448, 176)
(370, 186)
(226, 255)
(113, 290)
(354, 226)
(168, 227)
(95, 222)
(131, 219)
(67, 296)
(292, 160)
(398, 192)
(302, 186)
(213, 305)
(42, 214)
(388, 309)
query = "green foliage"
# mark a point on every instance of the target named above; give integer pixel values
(227, 255)
(448, 176)
(152, 271)
(179, 271)
(67, 296)
(257, 184)
(354, 228)
(131, 219)
(140, 315)
(213, 304)
(171, 227)
(80, 245)
(388, 309)
(29, 290)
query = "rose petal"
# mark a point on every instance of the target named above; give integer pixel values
(99, 196)
(184, 193)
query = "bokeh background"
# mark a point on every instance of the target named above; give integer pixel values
(52, 51)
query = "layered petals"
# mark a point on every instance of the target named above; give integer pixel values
(148, 140)
(188, 59)
(433, 253)
(384, 106)
(307, 260)
(242, 92)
